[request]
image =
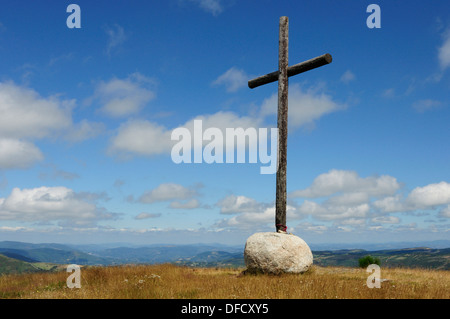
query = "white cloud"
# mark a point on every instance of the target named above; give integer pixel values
(305, 106)
(308, 227)
(348, 76)
(386, 220)
(389, 93)
(445, 212)
(147, 215)
(430, 195)
(250, 213)
(352, 222)
(340, 181)
(426, 105)
(25, 114)
(190, 204)
(257, 218)
(223, 120)
(390, 204)
(141, 137)
(168, 192)
(18, 154)
(352, 200)
(64, 57)
(84, 130)
(116, 37)
(444, 52)
(250, 219)
(13, 229)
(233, 79)
(124, 97)
(233, 204)
(420, 198)
(411, 227)
(330, 212)
(349, 199)
(48, 204)
(212, 6)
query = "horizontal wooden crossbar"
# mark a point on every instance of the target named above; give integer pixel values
(292, 70)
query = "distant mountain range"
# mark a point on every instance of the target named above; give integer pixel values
(18, 257)
(438, 244)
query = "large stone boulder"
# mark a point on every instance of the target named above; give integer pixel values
(277, 253)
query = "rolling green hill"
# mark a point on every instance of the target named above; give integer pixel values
(408, 258)
(14, 266)
(421, 257)
(214, 259)
(19, 257)
(56, 256)
(52, 253)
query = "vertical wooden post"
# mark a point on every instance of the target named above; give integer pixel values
(283, 84)
(282, 75)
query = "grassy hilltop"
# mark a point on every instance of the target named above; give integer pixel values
(167, 281)
(33, 271)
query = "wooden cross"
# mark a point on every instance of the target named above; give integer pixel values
(282, 75)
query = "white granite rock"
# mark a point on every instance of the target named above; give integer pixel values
(277, 253)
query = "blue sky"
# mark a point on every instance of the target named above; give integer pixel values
(86, 116)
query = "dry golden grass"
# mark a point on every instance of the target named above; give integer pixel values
(174, 282)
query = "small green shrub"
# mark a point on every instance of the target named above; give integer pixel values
(364, 262)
